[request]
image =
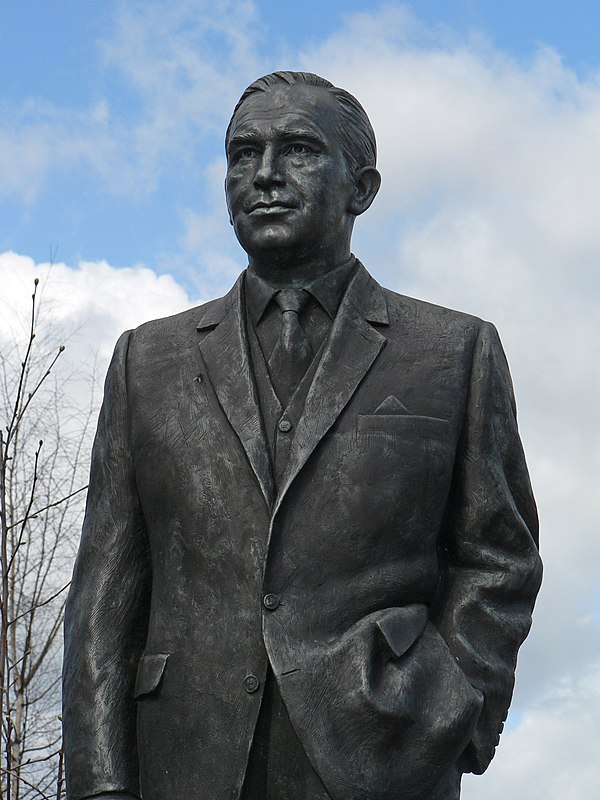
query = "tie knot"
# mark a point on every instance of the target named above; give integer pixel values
(291, 300)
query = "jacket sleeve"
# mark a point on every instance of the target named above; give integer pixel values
(489, 545)
(106, 612)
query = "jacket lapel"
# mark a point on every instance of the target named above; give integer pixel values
(353, 347)
(226, 355)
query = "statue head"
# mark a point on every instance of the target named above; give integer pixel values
(301, 157)
(356, 134)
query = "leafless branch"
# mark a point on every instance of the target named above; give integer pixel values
(41, 604)
(12, 772)
(41, 489)
(39, 511)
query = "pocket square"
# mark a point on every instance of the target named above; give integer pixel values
(391, 405)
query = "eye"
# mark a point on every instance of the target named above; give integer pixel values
(243, 154)
(298, 149)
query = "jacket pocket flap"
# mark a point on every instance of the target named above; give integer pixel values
(401, 627)
(150, 671)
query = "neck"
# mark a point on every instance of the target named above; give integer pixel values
(289, 271)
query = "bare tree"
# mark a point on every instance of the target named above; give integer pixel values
(44, 452)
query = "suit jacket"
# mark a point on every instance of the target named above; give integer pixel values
(400, 547)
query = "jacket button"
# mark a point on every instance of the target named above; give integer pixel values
(270, 601)
(251, 683)
(285, 425)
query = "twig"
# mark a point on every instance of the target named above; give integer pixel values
(39, 511)
(35, 606)
(34, 481)
(14, 773)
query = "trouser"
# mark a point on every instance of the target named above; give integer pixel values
(278, 768)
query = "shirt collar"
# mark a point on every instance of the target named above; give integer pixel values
(327, 289)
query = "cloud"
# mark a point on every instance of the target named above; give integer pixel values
(469, 137)
(211, 257)
(489, 203)
(491, 186)
(170, 73)
(90, 304)
(38, 140)
(182, 63)
(552, 755)
(84, 308)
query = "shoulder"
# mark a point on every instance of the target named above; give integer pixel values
(180, 330)
(434, 318)
(403, 315)
(437, 325)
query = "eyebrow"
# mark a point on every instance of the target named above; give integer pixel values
(245, 136)
(252, 135)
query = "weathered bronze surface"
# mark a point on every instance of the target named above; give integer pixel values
(362, 540)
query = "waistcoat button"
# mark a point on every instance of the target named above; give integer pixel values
(251, 683)
(270, 601)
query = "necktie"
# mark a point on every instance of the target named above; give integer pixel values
(292, 354)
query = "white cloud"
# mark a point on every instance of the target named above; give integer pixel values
(491, 186)
(172, 72)
(38, 140)
(490, 197)
(212, 256)
(182, 61)
(553, 754)
(84, 307)
(91, 303)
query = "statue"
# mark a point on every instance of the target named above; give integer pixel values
(309, 555)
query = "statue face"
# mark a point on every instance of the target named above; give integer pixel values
(288, 187)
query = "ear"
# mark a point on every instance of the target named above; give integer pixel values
(366, 185)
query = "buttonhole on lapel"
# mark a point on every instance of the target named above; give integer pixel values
(198, 378)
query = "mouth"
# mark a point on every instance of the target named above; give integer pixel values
(267, 209)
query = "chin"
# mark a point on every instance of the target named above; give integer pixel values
(266, 242)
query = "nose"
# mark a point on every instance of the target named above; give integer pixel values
(268, 170)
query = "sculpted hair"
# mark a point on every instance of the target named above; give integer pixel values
(356, 135)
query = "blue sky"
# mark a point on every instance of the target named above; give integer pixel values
(487, 114)
(55, 72)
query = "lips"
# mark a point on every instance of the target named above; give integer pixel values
(271, 207)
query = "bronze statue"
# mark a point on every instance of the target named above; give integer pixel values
(309, 554)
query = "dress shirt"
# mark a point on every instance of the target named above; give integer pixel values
(325, 296)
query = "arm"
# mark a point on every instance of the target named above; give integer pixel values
(106, 613)
(492, 567)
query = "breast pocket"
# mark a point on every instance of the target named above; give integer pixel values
(415, 449)
(407, 425)
(404, 465)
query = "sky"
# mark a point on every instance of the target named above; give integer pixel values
(112, 116)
